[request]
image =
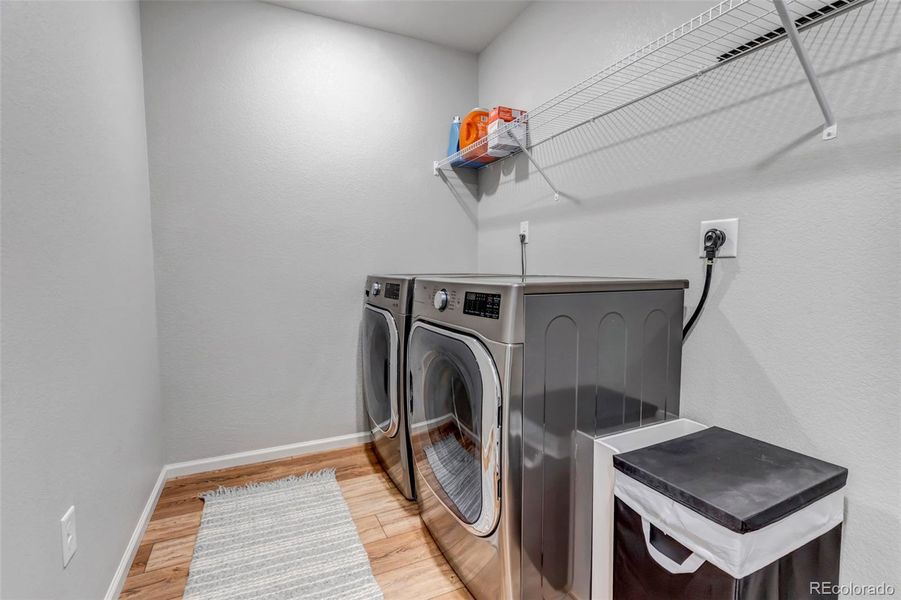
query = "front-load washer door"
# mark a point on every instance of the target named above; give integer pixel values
(380, 370)
(455, 399)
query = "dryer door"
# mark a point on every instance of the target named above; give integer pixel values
(379, 344)
(456, 396)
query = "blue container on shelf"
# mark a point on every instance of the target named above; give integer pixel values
(453, 141)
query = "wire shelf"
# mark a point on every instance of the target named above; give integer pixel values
(729, 30)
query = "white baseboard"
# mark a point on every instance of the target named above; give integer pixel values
(254, 456)
(211, 464)
(115, 586)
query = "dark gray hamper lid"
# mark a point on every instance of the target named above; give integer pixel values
(741, 483)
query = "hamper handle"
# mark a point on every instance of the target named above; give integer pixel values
(689, 565)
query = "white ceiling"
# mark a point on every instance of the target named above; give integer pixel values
(465, 25)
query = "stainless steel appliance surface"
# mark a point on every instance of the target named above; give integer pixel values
(383, 334)
(508, 378)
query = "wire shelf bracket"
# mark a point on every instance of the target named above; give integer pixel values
(538, 168)
(830, 129)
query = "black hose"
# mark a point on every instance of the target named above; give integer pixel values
(694, 316)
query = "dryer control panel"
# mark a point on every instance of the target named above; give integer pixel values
(391, 292)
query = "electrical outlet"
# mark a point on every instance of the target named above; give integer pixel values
(67, 530)
(728, 226)
(524, 231)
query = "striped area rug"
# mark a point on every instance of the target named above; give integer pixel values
(291, 538)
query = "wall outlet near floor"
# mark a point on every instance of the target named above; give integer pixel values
(67, 530)
(728, 226)
(524, 231)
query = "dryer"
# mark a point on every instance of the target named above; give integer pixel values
(383, 335)
(383, 329)
(508, 376)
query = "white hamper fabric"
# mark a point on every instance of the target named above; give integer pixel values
(735, 553)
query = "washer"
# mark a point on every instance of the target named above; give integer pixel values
(383, 335)
(508, 378)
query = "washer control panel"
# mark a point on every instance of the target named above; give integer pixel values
(491, 307)
(480, 304)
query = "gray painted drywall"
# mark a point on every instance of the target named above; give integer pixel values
(290, 155)
(81, 414)
(799, 344)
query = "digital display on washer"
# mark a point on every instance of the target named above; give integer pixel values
(392, 291)
(482, 305)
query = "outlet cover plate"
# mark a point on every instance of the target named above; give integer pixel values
(728, 226)
(67, 531)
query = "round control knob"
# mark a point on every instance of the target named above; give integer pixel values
(441, 299)
(375, 289)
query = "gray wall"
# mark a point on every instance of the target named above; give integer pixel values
(290, 155)
(80, 410)
(799, 344)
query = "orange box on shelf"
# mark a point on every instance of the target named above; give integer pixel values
(502, 138)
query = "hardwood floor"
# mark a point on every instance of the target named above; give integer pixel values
(405, 560)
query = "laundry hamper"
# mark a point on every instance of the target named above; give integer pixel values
(718, 515)
(605, 447)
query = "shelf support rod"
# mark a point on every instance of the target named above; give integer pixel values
(538, 167)
(830, 130)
